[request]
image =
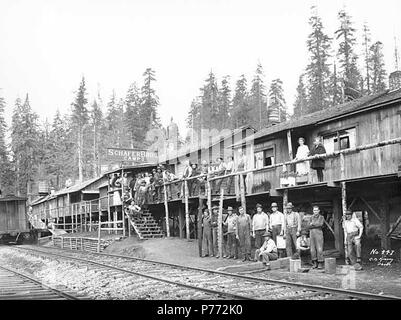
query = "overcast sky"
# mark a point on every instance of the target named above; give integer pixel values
(47, 45)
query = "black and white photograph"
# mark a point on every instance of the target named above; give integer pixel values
(195, 155)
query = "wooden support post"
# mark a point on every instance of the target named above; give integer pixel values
(187, 210)
(108, 213)
(220, 224)
(98, 234)
(343, 197)
(209, 196)
(338, 229)
(385, 223)
(180, 222)
(72, 219)
(123, 218)
(289, 143)
(64, 211)
(114, 221)
(242, 191)
(62, 242)
(200, 235)
(285, 202)
(343, 184)
(90, 217)
(166, 210)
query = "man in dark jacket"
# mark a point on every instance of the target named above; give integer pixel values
(318, 164)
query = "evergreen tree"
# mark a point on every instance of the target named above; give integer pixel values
(132, 116)
(301, 101)
(366, 48)
(225, 106)
(194, 115)
(25, 141)
(209, 113)
(257, 99)
(80, 118)
(376, 62)
(277, 109)
(6, 174)
(335, 88)
(348, 59)
(241, 108)
(62, 164)
(150, 102)
(318, 69)
(96, 116)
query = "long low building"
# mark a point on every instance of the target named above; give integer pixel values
(362, 173)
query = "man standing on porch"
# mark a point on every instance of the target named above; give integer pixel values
(276, 222)
(231, 223)
(260, 224)
(243, 233)
(292, 229)
(316, 238)
(353, 230)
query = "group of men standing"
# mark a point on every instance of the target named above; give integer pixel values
(266, 230)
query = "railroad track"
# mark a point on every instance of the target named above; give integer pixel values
(218, 283)
(17, 286)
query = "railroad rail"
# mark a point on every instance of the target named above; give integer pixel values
(218, 283)
(15, 285)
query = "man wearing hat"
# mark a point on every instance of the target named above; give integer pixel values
(268, 251)
(243, 233)
(353, 230)
(207, 234)
(276, 222)
(214, 221)
(260, 223)
(292, 229)
(316, 238)
(231, 223)
(303, 244)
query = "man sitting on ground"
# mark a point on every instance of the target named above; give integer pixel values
(268, 251)
(303, 246)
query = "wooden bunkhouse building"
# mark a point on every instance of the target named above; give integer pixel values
(362, 173)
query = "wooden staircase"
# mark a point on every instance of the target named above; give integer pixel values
(145, 226)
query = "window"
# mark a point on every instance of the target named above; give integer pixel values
(340, 140)
(264, 158)
(268, 157)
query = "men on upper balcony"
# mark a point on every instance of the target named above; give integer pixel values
(186, 174)
(242, 165)
(318, 164)
(302, 168)
(219, 171)
(229, 169)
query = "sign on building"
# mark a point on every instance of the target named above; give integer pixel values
(131, 155)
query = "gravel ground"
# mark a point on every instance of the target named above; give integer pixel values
(92, 283)
(374, 278)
